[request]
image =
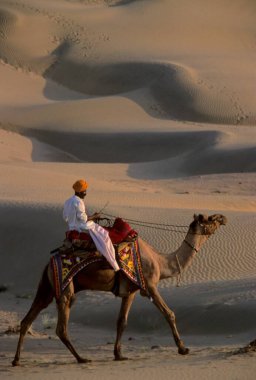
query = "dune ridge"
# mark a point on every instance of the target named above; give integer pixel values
(181, 153)
(153, 102)
(177, 91)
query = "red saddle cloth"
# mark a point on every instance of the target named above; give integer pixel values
(120, 231)
(75, 235)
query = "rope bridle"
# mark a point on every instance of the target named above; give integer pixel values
(205, 233)
(191, 246)
(178, 261)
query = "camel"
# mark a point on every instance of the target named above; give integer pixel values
(155, 267)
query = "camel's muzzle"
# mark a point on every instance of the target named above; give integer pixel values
(224, 220)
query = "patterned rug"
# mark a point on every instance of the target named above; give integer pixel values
(129, 260)
(65, 267)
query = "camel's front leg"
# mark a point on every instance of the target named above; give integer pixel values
(170, 317)
(122, 323)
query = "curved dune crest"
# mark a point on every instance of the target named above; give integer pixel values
(169, 90)
(202, 153)
(178, 91)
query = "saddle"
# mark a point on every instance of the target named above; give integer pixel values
(75, 241)
(78, 251)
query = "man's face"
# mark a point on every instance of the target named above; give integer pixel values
(82, 194)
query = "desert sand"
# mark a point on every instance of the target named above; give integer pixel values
(153, 102)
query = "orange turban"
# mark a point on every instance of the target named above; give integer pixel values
(80, 186)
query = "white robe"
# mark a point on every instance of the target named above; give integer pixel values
(75, 215)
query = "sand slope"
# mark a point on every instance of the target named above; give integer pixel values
(153, 102)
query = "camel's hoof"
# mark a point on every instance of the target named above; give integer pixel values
(120, 358)
(83, 361)
(183, 351)
(15, 363)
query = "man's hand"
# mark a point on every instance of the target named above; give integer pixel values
(95, 216)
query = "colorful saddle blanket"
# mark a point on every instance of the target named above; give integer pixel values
(65, 267)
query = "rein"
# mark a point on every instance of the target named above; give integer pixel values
(156, 226)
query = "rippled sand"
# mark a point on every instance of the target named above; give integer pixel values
(153, 102)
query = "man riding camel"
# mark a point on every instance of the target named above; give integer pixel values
(75, 215)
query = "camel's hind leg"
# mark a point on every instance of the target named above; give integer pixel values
(122, 323)
(43, 298)
(64, 306)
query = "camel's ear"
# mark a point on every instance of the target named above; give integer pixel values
(202, 218)
(196, 217)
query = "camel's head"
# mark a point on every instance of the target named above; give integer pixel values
(207, 225)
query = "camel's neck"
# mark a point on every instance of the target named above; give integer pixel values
(189, 248)
(174, 263)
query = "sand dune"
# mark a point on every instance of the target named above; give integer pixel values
(179, 154)
(179, 93)
(176, 90)
(153, 102)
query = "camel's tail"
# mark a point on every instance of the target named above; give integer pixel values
(45, 293)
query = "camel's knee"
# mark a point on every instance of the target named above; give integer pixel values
(61, 329)
(61, 332)
(25, 324)
(172, 317)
